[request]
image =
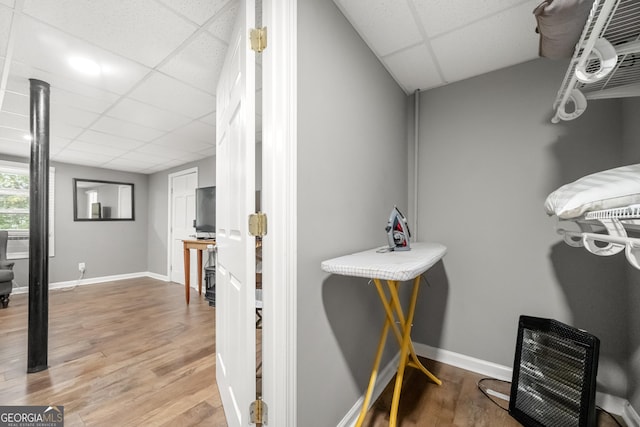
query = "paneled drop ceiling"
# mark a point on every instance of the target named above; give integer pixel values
(429, 43)
(146, 102)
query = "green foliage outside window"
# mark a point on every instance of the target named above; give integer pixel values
(14, 181)
(14, 201)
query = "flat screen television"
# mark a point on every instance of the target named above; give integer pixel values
(205, 212)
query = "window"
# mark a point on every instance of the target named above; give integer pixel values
(14, 207)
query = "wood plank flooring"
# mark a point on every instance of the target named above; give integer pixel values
(131, 353)
(125, 353)
(457, 402)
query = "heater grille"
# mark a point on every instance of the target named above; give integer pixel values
(554, 375)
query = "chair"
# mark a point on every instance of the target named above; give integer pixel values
(6, 270)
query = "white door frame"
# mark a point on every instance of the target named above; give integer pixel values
(279, 201)
(169, 213)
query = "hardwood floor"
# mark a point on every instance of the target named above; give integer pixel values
(131, 353)
(457, 402)
(125, 353)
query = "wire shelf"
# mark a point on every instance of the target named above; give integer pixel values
(618, 23)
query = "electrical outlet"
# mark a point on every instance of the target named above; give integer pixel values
(81, 267)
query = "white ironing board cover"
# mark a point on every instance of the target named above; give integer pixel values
(393, 265)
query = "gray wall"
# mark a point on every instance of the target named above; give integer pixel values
(159, 209)
(107, 247)
(489, 157)
(351, 171)
(111, 247)
(631, 154)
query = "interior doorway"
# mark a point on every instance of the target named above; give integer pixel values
(182, 192)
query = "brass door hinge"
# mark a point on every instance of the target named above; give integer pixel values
(258, 412)
(258, 224)
(258, 38)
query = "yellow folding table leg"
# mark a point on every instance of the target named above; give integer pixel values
(414, 362)
(407, 351)
(408, 357)
(374, 373)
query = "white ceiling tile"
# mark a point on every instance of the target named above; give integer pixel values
(198, 11)
(166, 151)
(122, 162)
(126, 129)
(211, 151)
(222, 27)
(13, 135)
(71, 116)
(110, 140)
(17, 84)
(501, 40)
(135, 111)
(63, 130)
(199, 63)
(103, 150)
(15, 103)
(178, 141)
(57, 144)
(386, 26)
(15, 121)
(195, 146)
(64, 89)
(178, 162)
(5, 29)
(12, 148)
(209, 119)
(170, 94)
(440, 16)
(95, 103)
(79, 157)
(168, 117)
(414, 68)
(153, 169)
(46, 48)
(191, 157)
(128, 167)
(197, 131)
(144, 157)
(137, 29)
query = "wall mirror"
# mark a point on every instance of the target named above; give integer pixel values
(95, 200)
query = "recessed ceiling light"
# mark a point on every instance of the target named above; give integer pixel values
(26, 137)
(85, 65)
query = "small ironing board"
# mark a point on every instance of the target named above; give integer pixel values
(393, 267)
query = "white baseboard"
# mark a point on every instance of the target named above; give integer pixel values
(157, 276)
(94, 280)
(618, 406)
(462, 361)
(630, 416)
(612, 404)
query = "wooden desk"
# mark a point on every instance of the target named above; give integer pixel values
(393, 267)
(199, 245)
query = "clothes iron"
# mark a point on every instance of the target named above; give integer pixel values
(398, 231)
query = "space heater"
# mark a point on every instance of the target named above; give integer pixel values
(554, 375)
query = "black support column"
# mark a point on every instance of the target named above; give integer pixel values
(38, 335)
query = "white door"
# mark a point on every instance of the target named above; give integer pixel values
(125, 208)
(235, 201)
(182, 211)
